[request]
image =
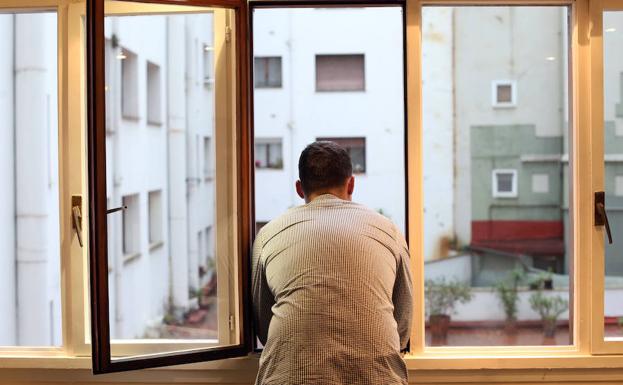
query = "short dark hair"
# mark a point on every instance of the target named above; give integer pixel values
(324, 165)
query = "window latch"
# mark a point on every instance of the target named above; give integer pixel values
(76, 215)
(601, 218)
(120, 208)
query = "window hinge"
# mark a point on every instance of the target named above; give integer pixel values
(232, 323)
(227, 34)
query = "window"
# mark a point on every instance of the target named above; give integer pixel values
(453, 142)
(268, 153)
(496, 255)
(267, 72)
(356, 148)
(208, 170)
(30, 264)
(504, 93)
(340, 73)
(208, 65)
(131, 226)
(155, 217)
(618, 185)
(129, 83)
(504, 183)
(540, 183)
(160, 304)
(154, 98)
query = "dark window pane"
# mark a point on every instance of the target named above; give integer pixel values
(340, 73)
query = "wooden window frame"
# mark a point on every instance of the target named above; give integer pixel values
(590, 359)
(235, 94)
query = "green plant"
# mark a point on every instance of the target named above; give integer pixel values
(507, 292)
(549, 308)
(543, 280)
(620, 321)
(442, 296)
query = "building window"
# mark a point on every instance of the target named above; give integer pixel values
(504, 183)
(154, 105)
(155, 216)
(340, 73)
(504, 93)
(131, 225)
(268, 72)
(129, 83)
(208, 65)
(208, 172)
(268, 153)
(356, 148)
(540, 183)
(618, 185)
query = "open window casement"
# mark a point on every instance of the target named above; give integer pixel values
(606, 149)
(179, 297)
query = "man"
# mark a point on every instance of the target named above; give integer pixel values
(331, 284)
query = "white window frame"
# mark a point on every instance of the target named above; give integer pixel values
(495, 191)
(494, 93)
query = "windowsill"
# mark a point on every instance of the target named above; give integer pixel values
(131, 118)
(130, 257)
(422, 369)
(340, 91)
(155, 245)
(154, 124)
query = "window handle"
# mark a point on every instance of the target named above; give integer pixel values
(601, 218)
(120, 208)
(76, 215)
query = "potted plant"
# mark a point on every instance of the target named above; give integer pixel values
(544, 280)
(442, 297)
(549, 308)
(507, 292)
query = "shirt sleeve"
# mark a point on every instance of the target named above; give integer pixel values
(263, 299)
(402, 295)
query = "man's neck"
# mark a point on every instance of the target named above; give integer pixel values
(343, 195)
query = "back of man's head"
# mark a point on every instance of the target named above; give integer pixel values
(324, 165)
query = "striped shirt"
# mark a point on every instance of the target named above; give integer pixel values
(332, 296)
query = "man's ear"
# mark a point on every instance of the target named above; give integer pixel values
(299, 189)
(351, 185)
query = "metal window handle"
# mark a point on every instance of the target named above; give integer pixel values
(110, 211)
(601, 218)
(77, 222)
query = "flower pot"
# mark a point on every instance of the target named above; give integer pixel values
(549, 328)
(439, 325)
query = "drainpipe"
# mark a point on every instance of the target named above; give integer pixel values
(32, 192)
(8, 319)
(192, 175)
(176, 148)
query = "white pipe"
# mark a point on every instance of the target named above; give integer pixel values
(32, 192)
(176, 142)
(8, 319)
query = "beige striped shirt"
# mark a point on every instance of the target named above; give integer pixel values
(331, 296)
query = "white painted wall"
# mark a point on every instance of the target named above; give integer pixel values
(8, 319)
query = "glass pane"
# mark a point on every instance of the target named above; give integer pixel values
(369, 124)
(495, 121)
(170, 166)
(613, 169)
(30, 295)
